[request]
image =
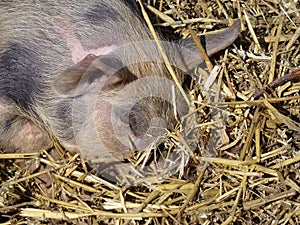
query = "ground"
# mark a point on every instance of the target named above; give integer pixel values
(251, 177)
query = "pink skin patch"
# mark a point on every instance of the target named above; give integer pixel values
(30, 138)
(63, 26)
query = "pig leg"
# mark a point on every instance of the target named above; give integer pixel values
(20, 135)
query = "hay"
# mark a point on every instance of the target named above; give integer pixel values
(251, 178)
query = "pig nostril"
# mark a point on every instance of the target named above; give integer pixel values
(157, 127)
(151, 116)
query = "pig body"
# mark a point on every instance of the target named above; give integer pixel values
(63, 63)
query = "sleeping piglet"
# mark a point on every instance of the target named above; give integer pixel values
(90, 74)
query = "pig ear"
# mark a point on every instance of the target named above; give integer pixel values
(118, 80)
(212, 43)
(68, 80)
(104, 71)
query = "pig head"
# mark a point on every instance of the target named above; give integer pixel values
(128, 93)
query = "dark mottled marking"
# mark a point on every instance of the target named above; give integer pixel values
(100, 13)
(9, 122)
(203, 42)
(134, 6)
(64, 111)
(19, 68)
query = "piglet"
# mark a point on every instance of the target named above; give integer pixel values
(90, 74)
